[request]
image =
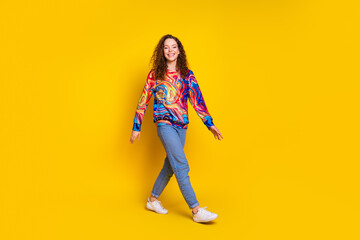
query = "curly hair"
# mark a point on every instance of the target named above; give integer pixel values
(158, 59)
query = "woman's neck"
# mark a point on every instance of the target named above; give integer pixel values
(171, 66)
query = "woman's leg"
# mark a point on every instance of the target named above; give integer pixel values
(173, 140)
(163, 179)
(165, 174)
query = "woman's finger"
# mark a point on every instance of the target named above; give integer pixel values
(220, 134)
(217, 135)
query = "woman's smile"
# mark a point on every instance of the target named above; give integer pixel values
(171, 50)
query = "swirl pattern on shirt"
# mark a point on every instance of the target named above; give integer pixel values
(170, 100)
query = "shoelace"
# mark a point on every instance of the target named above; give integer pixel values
(158, 203)
(206, 212)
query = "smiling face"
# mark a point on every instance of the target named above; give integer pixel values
(171, 50)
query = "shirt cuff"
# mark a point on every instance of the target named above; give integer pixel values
(208, 121)
(136, 127)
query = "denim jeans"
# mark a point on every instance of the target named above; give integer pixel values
(173, 140)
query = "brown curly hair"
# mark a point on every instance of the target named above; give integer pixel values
(158, 59)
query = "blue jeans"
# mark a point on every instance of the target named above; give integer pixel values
(173, 140)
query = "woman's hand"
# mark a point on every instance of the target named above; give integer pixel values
(216, 132)
(134, 135)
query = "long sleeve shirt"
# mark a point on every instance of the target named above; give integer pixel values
(170, 100)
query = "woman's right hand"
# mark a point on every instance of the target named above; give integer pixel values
(134, 135)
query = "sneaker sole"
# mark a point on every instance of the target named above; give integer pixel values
(207, 220)
(148, 206)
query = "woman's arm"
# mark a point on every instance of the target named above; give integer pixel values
(144, 101)
(197, 101)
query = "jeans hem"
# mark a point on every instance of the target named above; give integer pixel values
(154, 195)
(194, 205)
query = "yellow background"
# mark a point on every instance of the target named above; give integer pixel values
(280, 79)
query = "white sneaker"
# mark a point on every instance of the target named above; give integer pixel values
(156, 206)
(204, 215)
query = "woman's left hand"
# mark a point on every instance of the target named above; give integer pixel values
(216, 132)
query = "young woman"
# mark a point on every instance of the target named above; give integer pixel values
(172, 84)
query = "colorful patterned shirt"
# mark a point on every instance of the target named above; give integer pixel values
(170, 100)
